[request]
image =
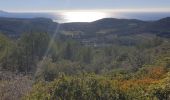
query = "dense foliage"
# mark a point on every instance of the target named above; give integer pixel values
(127, 67)
(147, 84)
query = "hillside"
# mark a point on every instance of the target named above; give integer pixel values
(120, 26)
(108, 59)
(14, 27)
(17, 26)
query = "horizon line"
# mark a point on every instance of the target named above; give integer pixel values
(92, 10)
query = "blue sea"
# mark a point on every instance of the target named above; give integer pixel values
(65, 17)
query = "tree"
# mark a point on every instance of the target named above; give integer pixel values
(87, 55)
(68, 53)
(31, 48)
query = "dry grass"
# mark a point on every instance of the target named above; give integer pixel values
(14, 87)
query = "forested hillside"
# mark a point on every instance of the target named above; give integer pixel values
(14, 27)
(109, 59)
(18, 26)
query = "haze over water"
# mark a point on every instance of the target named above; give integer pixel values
(64, 17)
(89, 10)
(86, 16)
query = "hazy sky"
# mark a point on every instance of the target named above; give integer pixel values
(37, 5)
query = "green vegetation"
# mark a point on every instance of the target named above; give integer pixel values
(147, 84)
(68, 70)
(39, 66)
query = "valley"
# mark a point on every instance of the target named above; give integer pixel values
(107, 59)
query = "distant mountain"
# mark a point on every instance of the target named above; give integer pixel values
(102, 27)
(16, 26)
(60, 16)
(162, 24)
(28, 15)
(160, 27)
(1, 12)
(120, 26)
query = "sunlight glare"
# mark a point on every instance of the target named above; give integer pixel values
(83, 16)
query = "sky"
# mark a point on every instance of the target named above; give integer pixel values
(57, 5)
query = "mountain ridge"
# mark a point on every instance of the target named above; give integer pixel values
(18, 26)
